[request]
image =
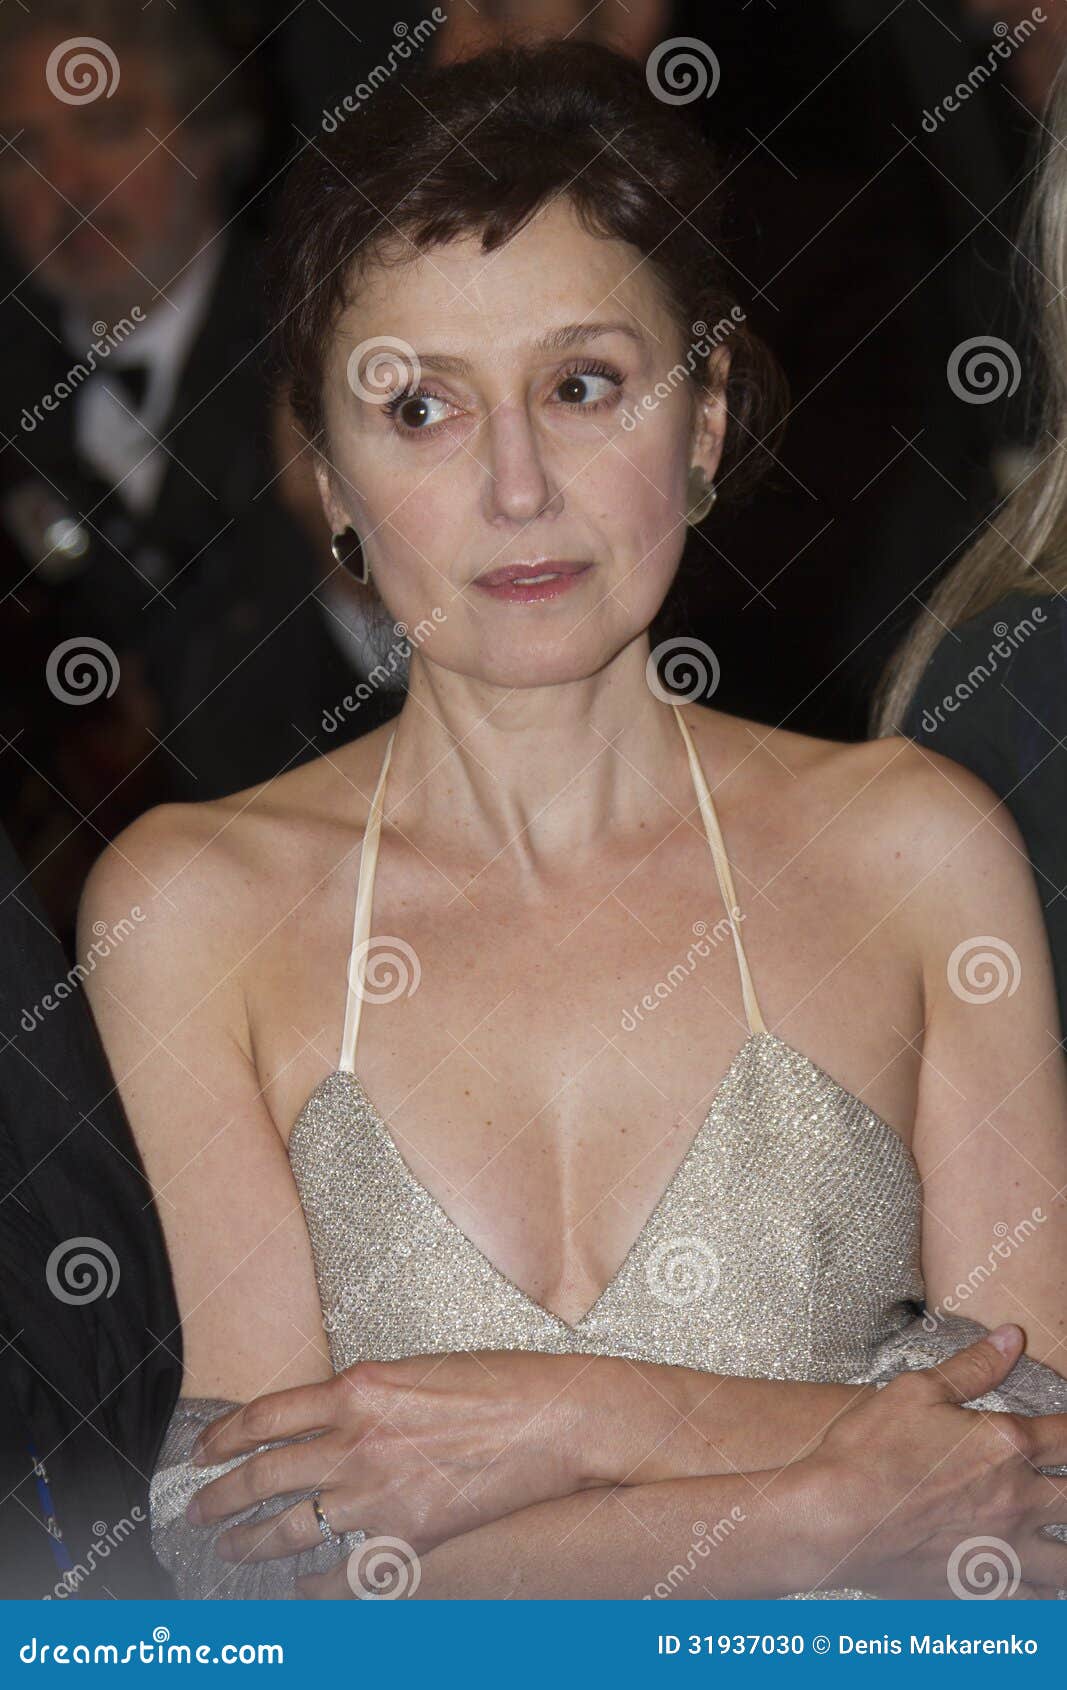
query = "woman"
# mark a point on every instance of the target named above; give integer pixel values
(606, 1187)
(980, 677)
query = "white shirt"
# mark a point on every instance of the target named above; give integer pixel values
(119, 444)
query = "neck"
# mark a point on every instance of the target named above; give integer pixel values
(551, 773)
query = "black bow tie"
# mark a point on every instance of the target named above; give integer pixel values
(132, 378)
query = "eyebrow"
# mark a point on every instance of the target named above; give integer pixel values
(557, 340)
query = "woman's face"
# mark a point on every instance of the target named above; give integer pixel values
(510, 450)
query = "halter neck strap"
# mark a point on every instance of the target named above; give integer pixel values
(756, 1022)
(357, 960)
(361, 922)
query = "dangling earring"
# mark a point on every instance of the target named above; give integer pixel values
(353, 558)
(701, 495)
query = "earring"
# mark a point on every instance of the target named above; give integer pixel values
(353, 558)
(701, 496)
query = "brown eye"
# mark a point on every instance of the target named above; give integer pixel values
(411, 412)
(575, 387)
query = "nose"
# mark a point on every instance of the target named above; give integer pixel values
(70, 172)
(519, 485)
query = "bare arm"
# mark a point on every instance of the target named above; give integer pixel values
(991, 1124)
(897, 1485)
(170, 1011)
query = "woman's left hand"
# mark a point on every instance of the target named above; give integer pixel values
(417, 1450)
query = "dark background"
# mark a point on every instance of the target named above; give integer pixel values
(865, 250)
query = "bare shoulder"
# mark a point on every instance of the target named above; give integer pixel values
(186, 909)
(196, 879)
(887, 808)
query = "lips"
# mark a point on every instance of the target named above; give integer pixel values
(549, 568)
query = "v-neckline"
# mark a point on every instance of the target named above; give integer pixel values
(445, 1220)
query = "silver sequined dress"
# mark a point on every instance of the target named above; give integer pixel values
(785, 1245)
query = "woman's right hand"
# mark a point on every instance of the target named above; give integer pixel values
(913, 1495)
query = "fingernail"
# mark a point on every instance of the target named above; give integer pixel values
(1004, 1337)
(194, 1513)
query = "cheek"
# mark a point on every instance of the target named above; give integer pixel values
(146, 193)
(638, 485)
(28, 215)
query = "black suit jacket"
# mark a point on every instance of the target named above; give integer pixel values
(236, 647)
(90, 1342)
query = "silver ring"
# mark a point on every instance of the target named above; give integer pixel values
(325, 1528)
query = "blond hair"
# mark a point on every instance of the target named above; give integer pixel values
(1024, 544)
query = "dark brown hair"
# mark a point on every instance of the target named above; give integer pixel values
(477, 147)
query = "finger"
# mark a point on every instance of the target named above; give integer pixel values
(273, 1472)
(1049, 1439)
(1044, 1561)
(278, 1414)
(325, 1587)
(285, 1533)
(200, 1443)
(978, 1368)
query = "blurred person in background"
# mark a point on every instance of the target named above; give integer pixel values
(982, 677)
(150, 563)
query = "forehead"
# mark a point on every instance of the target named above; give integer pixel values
(476, 304)
(25, 94)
